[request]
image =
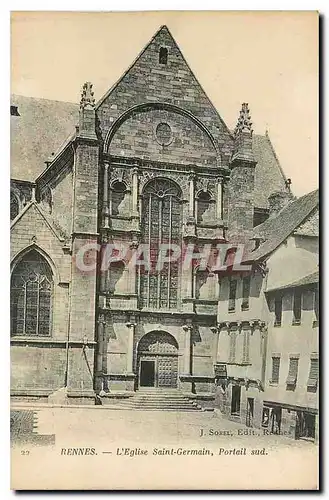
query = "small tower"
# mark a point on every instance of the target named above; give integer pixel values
(87, 116)
(241, 184)
(243, 137)
(84, 232)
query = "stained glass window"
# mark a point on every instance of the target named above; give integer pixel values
(31, 296)
(14, 206)
(161, 224)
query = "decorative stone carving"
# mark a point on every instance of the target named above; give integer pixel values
(206, 184)
(180, 178)
(122, 174)
(87, 96)
(244, 121)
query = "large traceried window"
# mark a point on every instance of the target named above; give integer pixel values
(14, 206)
(161, 224)
(31, 296)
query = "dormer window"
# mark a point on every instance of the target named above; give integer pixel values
(163, 55)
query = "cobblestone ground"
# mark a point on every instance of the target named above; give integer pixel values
(135, 449)
(109, 426)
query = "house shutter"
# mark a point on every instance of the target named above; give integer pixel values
(231, 302)
(293, 370)
(275, 369)
(246, 346)
(314, 373)
(232, 346)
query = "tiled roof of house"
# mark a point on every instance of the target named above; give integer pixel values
(278, 228)
(45, 125)
(310, 279)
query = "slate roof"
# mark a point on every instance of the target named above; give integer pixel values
(45, 125)
(39, 131)
(310, 279)
(278, 228)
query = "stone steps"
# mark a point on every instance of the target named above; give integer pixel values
(157, 400)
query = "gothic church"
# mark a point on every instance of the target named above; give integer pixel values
(151, 162)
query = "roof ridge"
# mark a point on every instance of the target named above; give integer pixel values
(275, 155)
(116, 83)
(44, 99)
(163, 27)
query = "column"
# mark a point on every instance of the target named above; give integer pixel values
(187, 350)
(219, 199)
(191, 200)
(130, 346)
(99, 356)
(106, 194)
(135, 191)
(103, 282)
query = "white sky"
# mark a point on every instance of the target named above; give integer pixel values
(268, 59)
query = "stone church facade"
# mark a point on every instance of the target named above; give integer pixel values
(150, 163)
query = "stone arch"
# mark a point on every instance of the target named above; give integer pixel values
(155, 338)
(157, 360)
(160, 106)
(20, 255)
(180, 179)
(31, 295)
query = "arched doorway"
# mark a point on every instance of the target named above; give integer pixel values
(157, 360)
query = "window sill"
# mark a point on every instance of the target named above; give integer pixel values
(48, 340)
(231, 311)
(296, 323)
(234, 363)
(244, 308)
(277, 325)
(273, 384)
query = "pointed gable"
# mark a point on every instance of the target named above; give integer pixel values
(153, 78)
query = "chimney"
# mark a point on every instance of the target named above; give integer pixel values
(278, 200)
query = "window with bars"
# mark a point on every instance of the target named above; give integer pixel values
(297, 308)
(245, 293)
(14, 206)
(277, 310)
(233, 340)
(31, 296)
(293, 371)
(275, 369)
(314, 374)
(232, 295)
(161, 224)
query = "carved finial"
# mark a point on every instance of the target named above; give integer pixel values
(244, 122)
(87, 96)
